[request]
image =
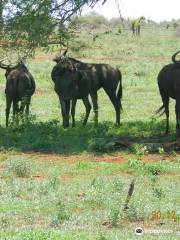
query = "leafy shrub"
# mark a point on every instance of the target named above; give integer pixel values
(19, 167)
(61, 214)
(91, 20)
(154, 169)
(114, 216)
(177, 31)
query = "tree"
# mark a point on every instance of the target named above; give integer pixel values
(120, 14)
(2, 3)
(35, 23)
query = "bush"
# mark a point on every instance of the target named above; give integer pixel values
(177, 31)
(19, 167)
(91, 20)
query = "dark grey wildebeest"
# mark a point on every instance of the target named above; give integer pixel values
(97, 75)
(20, 86)
(71, 85)
(169, 87)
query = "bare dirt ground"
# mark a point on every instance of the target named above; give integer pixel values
(53, 157)
(43, 56)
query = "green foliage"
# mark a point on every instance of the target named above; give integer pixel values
(101, 236)
(31, 24)
(91, 20)
(61, 214)
(114, 216)
(19, 167)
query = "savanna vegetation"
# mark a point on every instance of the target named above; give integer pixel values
(68, 184)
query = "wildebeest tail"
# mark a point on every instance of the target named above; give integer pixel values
(15, 85)
(119, 93)
(33, 85)
(161, 110)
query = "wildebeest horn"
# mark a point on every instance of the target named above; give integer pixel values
(65, 52)
(4, 66)
(174, 57)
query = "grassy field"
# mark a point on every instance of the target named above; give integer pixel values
(69, 184)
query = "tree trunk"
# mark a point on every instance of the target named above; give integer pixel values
(120, 15)
(1, 14)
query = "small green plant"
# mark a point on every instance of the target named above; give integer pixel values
(101, 237)
(5, 222)
(61, 214)
(161, 150)
(154, 169)
(19, 167)
(96, 201)
(140, 150)
(135, 164)
(158, 192)
(114, 216)
(97, 145)
(133, 214)
(156, 189)
(117, 185)
(54, 183)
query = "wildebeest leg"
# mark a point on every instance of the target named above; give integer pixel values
(23, 104)
(116, 103)
(8, 106)
(15, 111)
(165, 100)
(64, 108)
(88, 109)
(15, 107)
(73, 108)
(67, 107)
(177, 110)
(94, 98)
(67, 104)
(28, 100)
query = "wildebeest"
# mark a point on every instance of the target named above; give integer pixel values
(20, 86)
(169, 87)
(100, 75)
(72, 84)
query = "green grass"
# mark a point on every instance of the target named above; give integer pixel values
(84, 198)
(77, 198)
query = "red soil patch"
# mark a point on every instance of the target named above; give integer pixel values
(53, 157)
(44, 92)
(66, 178)
(37, 177)
(34, 177)
(158, 157)
(42, 57)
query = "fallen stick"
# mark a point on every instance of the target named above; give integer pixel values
(130, 193)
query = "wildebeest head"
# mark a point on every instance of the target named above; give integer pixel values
(10, 68)
(62, 58)
(65, 78)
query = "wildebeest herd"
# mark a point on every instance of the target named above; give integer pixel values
(75, 80)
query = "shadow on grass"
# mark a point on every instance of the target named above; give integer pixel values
(51, 137)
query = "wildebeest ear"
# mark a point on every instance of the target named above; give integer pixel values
(56, 59)
(65, 52)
